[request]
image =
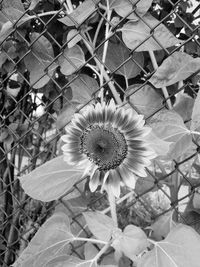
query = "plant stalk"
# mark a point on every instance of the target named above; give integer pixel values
(164, 89)
(111, 199)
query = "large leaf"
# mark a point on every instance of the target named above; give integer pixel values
(39, 61)
(183, 145)
(177, 67)
(134, 33)
(17, 4)
(8, 17)
(160, 146)
(180, 249)
(168, 125)
(184, 106)
(83, 87)
(196, 113)
(71, 60)
(146, 99)
(162, 226)
(66, 114)
(132, 241)
(33, 4)
(145, 184)
(50, 241)
(80, 14)
(73, 38)
(124, 7)
(66, 261)
(100, 225)
(51, 180)
(117, 54)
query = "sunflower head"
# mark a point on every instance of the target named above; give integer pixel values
(109, 143)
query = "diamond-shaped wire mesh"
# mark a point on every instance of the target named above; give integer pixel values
(34, 111)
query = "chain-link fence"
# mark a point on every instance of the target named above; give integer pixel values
(55, 61)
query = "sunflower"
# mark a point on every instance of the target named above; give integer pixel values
(109, 143)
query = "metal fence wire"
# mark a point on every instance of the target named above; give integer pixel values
(39, 95)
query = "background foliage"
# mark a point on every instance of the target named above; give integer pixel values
(56, 58)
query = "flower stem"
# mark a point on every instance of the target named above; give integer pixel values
(111, 199)
(164, 89)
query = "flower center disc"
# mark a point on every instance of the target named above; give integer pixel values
(105, 146)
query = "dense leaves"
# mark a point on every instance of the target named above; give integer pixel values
(74, 53)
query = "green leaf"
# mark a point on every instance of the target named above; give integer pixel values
(183, 145)
(180, 249)
(196, 200)
(132, 241)
(83, 88)
(145, 184)
(73, 38)
(134, 33)
(51, 180)
(58, 261)
(196, 113)
(168, 125)
(71, 60)
(99, 224)
(160, 146)
(124, 7)
(40, 61)
(66, 114)
(162, 226)
(50, 241)
(80, 14)
(90, 251)
(146, 99)
(6, 30)
(12, 14)
(17, 4)
(184, 106)
(70, 261)
(177, 67)
(117, 54)
(33, 4)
